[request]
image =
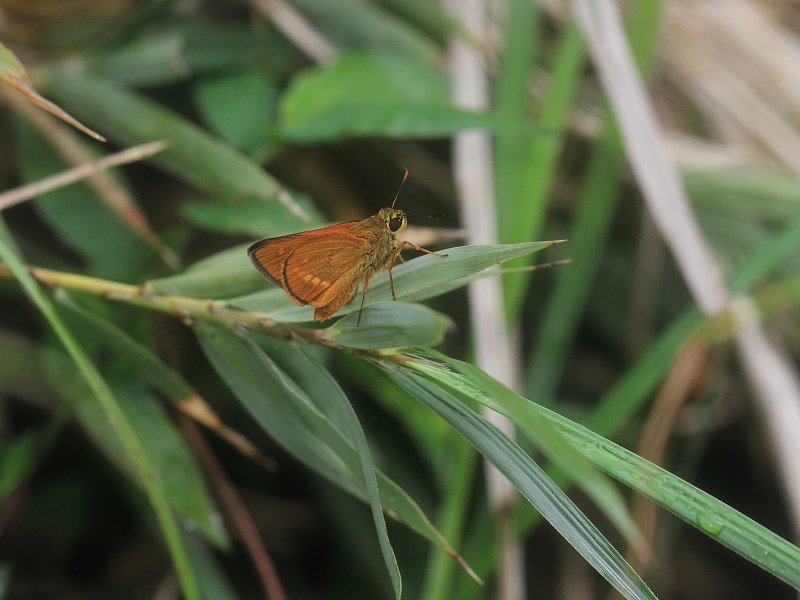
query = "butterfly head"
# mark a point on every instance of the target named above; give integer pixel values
(395, 220)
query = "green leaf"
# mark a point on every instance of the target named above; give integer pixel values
(480, 387)
(210, 573)
(527, 477)
(300, 421)
(356, 23)
(391, 325)
(76, 215)
(427, 276)
(240, 107)
(246, 217)
(164, 56)
(589, 229)
(427, 16)
(526, 165)
(329, 398)
(225, 274)
(368, 94)
(423, 277)
(709, 515)
(195, 156)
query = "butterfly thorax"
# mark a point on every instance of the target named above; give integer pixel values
(385, 229)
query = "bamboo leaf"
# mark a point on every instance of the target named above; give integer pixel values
(311, 433)
(390, 325)
(369, 94)
(527, 477)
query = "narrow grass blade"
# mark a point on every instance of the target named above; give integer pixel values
(529, 479)
(478, 386)
(522, 212)
(711, 516)
(596, 207)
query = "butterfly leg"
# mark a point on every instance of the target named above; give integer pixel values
(415, 247)
(367, 275)
(395, 254)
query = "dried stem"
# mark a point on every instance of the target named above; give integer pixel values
(495, 352)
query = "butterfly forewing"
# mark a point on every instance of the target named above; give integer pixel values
(319, 270)
(269, 255)
(319, 267)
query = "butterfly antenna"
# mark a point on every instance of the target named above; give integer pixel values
(405, 176)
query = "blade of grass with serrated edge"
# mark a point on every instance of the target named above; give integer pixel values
(293, 420)
(527, 477)
(428, 272)
(118, 420)
(632, 390)
(592, 221)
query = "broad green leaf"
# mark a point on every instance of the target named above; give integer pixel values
(527, 477)
(165, 56)
(246, 217)
(225, 274)
(116, 416)
(427, 16)
(195, 156)
(367, 94)
(390, 325)
(240, 107)
(281, 406)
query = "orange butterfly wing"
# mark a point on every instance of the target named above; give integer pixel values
(269, 255)
(319, 267)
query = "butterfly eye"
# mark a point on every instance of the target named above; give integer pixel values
(395, 223)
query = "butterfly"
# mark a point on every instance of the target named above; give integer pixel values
(323, 267)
